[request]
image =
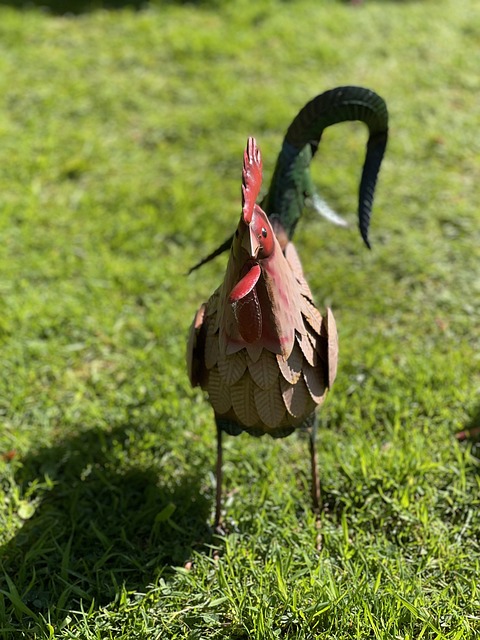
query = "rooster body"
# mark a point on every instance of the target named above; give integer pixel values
(259, 346)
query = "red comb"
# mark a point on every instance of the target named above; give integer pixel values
(251, 178)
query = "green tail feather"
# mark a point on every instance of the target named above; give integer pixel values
(292, 183)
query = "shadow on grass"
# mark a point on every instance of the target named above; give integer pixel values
(76, 7)
(101, 526)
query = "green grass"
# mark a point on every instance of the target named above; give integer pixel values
(122, 135)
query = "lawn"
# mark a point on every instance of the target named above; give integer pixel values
(122, 133)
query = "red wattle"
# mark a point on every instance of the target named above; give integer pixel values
(246, 307)
(245, 285)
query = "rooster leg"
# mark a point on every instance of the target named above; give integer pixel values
(218, 477)
(316, 493)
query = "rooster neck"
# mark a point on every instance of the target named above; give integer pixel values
(268, 315)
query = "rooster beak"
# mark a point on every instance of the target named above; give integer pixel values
(250, 243)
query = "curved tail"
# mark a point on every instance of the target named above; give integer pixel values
(292, 183)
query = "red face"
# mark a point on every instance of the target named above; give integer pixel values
(261, 230)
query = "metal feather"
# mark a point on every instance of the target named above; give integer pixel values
(211, 350)
(308, 350)
(332, 337)
(270, 406)
(291, 367)
(316, 382)
(265, 370)
(232, 367)
(312, 315)
(194, 348)
(296, 398)
(243, 401)
(218, 392)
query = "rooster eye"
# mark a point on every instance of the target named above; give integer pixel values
(264, 232)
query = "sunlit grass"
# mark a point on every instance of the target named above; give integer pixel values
(122, 135)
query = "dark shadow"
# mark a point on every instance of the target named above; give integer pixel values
(76, 7)
(100, 526)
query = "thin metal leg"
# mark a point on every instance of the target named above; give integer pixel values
(218, 475)
(316, 491)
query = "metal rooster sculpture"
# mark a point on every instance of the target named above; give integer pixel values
(259, 347)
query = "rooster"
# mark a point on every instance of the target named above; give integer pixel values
(259, 346)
